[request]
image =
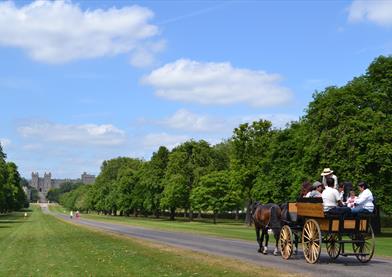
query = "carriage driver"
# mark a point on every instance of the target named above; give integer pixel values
(331, 200)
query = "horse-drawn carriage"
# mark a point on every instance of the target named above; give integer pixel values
(306, 222)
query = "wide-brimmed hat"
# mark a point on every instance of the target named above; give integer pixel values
(326, 171)
(316, 184)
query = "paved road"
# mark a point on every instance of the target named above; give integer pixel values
(243, 250)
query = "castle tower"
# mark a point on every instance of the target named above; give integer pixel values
(34, 180)
(47, 182)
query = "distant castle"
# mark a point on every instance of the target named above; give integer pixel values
(43, 185)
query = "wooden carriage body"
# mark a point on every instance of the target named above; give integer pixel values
(312, 226)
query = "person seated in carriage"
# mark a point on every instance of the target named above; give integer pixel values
(351, 200)
(332, 202)
(317, 189)
(364, 202)
(341, 192)
(305, 189)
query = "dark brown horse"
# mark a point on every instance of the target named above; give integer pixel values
(266, 217)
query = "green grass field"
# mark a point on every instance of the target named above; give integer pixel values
(227, 228)
(41, 245)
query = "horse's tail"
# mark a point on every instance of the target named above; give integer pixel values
(275, 217)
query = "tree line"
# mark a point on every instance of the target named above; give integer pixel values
(12, 196)
(347, 128)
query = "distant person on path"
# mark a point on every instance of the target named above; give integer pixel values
(25, 215)
(71, 214)
(364, 202)
(77, 215)
(328, 173)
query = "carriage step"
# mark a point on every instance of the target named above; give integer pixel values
(354, 254)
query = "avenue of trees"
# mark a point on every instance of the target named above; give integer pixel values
(12, 196)
(348, 129)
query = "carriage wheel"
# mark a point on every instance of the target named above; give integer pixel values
(286, 242)
(364, 250)
(311, 241)
(333, 245)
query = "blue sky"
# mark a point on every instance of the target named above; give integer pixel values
(85, 81)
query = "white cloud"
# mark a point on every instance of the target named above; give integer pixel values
(379, 12)
(87, 134)
(188, 121)
(60, 31)
(145, 55)
(217, 83)
(5, 142)
(33, 147)
(153, 141)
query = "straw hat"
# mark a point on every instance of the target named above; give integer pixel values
(326, 172)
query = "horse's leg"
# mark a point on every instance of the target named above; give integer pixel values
(264, 251)
(296, 243)
(276, 235)
(265, 232)
(258, 239)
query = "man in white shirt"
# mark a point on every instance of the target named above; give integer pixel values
(364, 201)
(328, 173)
(331, 200)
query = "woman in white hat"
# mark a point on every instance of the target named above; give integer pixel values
(328, 173)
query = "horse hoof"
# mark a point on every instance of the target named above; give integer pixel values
(276, 253)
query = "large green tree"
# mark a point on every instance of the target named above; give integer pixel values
(188, 162)
(151, 185)
(215, 193)
(250, 145)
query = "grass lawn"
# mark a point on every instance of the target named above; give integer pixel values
(227, 229)
(42, 245)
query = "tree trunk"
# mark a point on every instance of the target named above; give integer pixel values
(172, 213)
(214, 217)
(190, 214)
(236, 214)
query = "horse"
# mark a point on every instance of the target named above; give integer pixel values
(266, 217)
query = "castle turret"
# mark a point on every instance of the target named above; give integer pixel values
(34, 180)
